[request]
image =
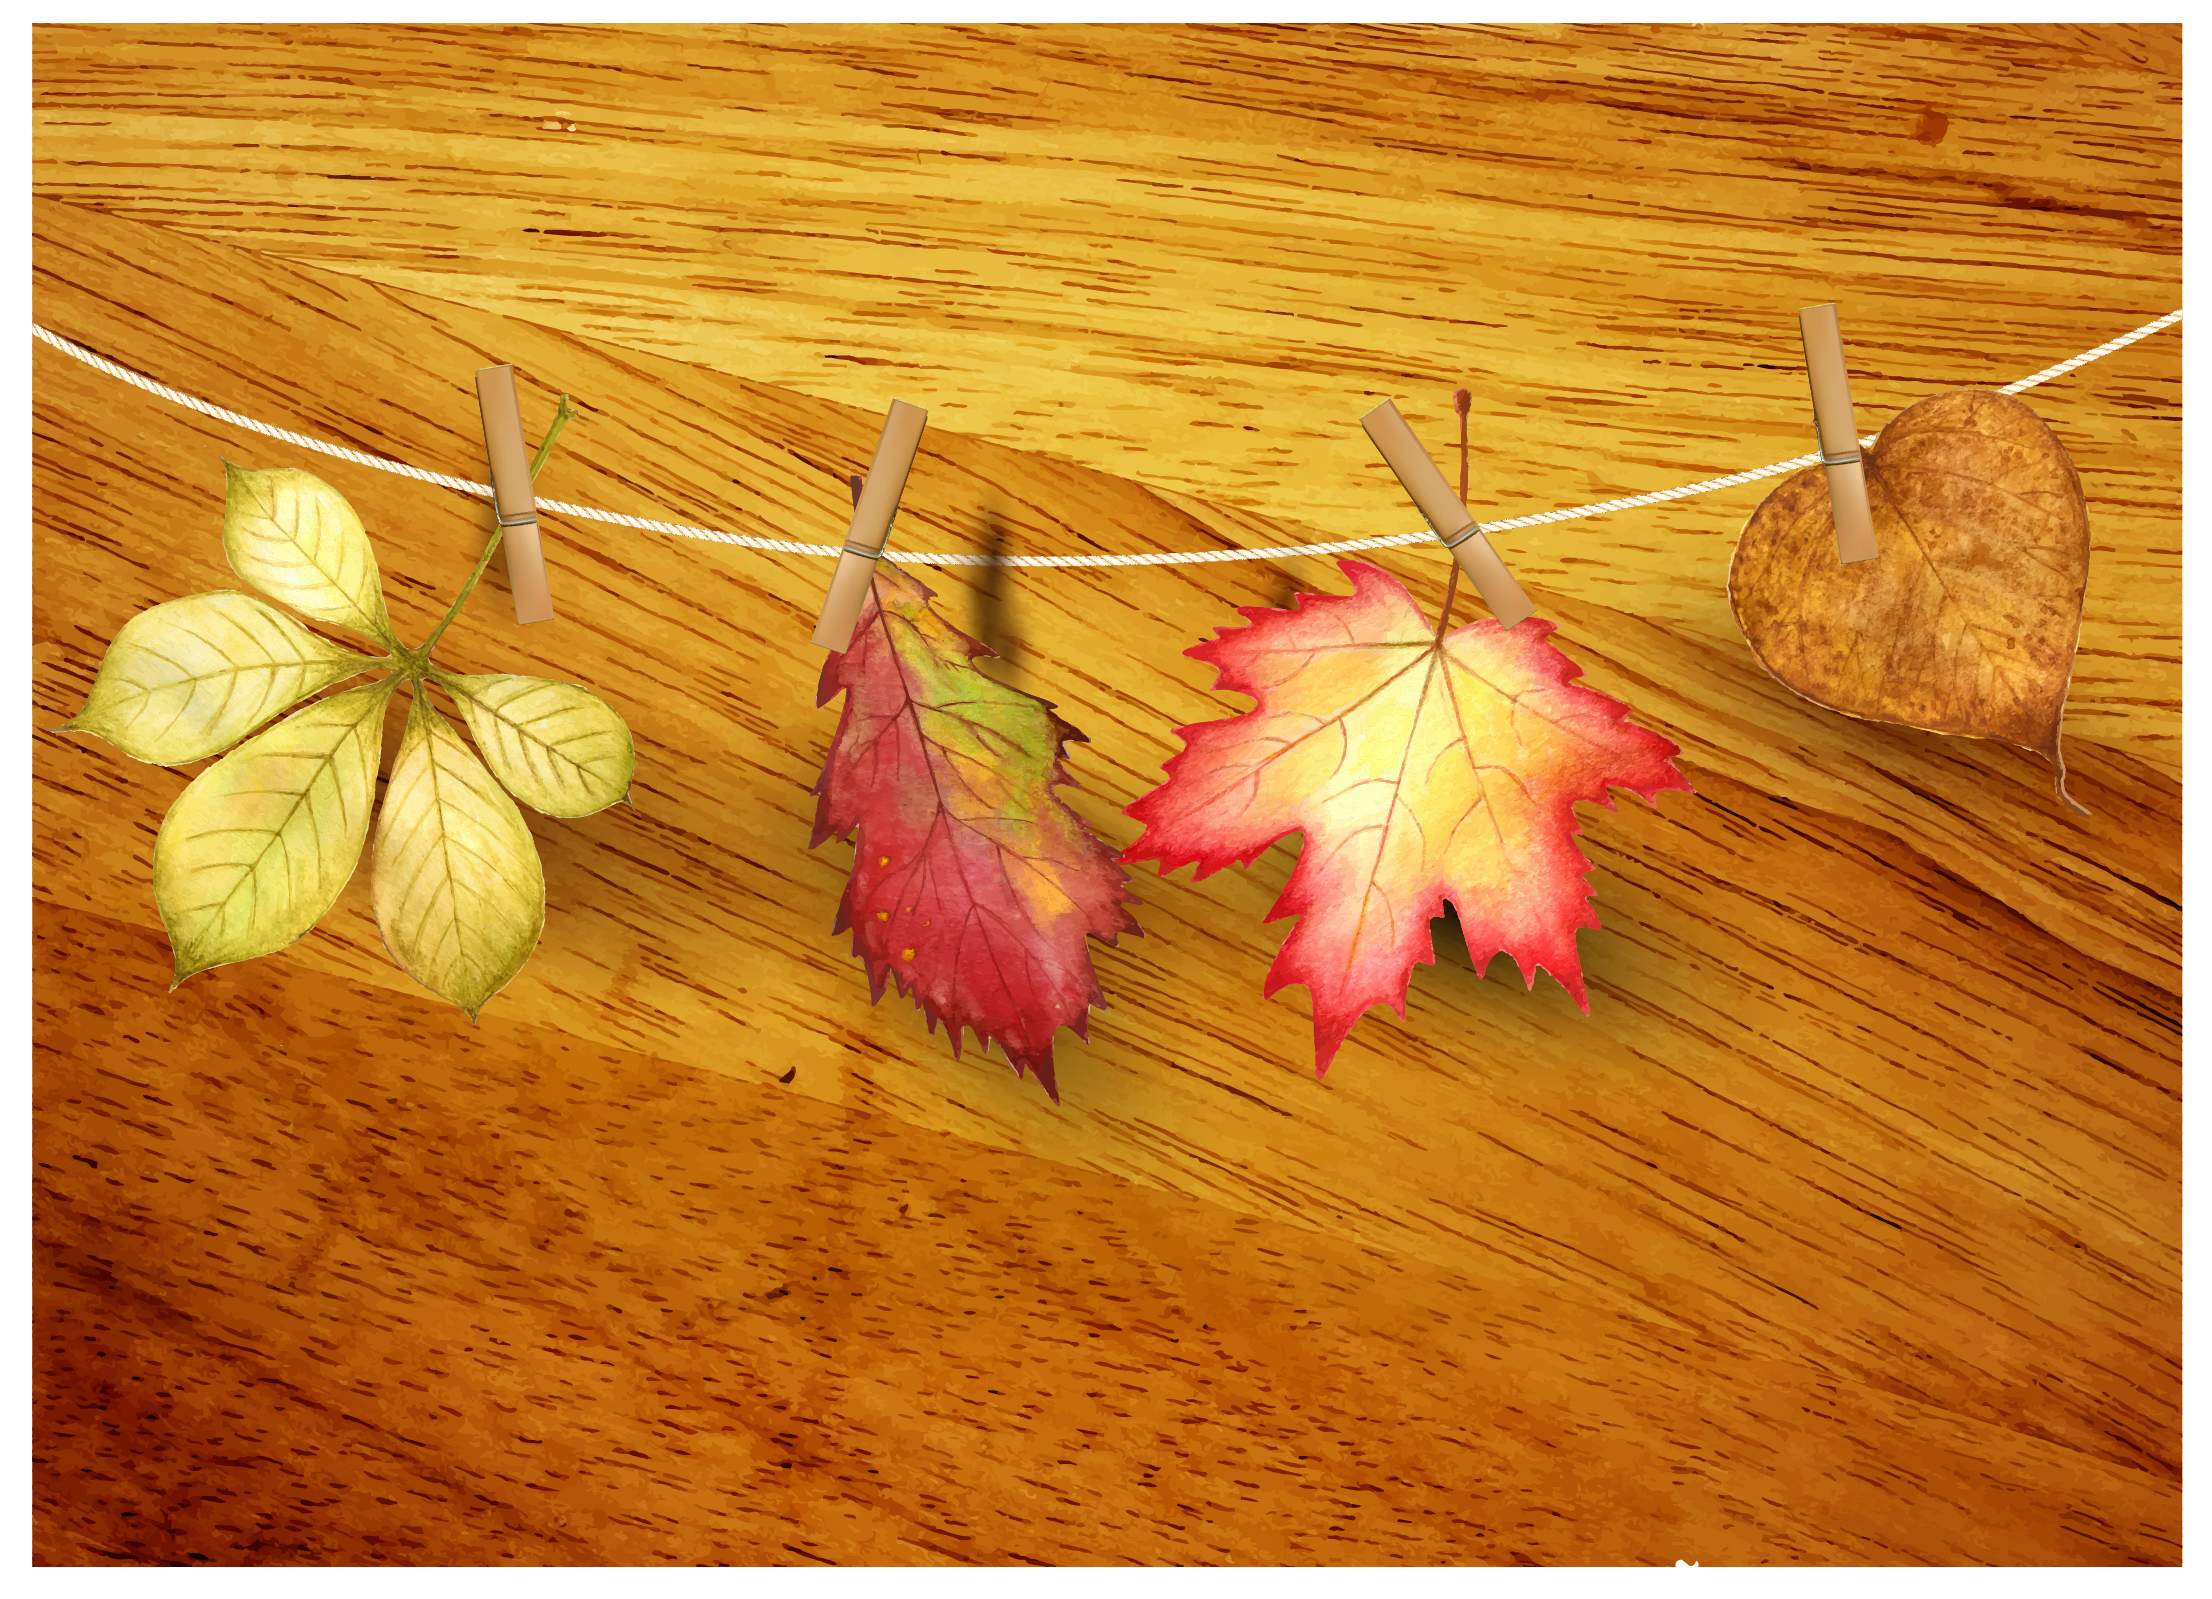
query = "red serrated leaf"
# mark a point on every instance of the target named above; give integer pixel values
(974, 887)
(1418, 772)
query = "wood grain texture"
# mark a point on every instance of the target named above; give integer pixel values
(1845, 1230)
(1197, 256)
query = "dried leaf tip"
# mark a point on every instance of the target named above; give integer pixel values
(2056, 756)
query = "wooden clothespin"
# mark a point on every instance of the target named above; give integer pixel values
(1838, 432)
(513, 501)
(874, 507)
(1447, 517)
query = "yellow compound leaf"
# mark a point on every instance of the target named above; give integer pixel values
(560, 749)
(259, 845)
(294, 537)
(458, 890)
(192, 677)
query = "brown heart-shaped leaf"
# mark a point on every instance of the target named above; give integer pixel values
(1966, 622)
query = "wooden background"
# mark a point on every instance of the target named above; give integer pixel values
(1844, 1230)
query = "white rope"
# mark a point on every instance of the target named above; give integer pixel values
(1162, 558)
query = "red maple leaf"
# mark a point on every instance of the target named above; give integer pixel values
(973, 887)
(1418, 770)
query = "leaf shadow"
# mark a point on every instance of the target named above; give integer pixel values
(995, 622)
(1450, 941)
(1448, 937)
(1286, 588)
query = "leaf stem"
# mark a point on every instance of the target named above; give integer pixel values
(1462, 402)
(421, 656)
(561, 418)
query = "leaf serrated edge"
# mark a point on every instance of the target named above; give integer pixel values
(388, 685)
(419, 704)
(369, 663)
(1060, 733)
(379, 627)
(463, 699)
